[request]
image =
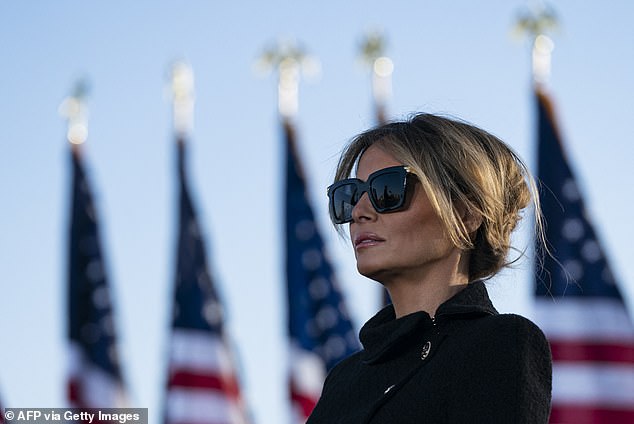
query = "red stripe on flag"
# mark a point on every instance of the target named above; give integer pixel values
(73, 390)
(193, 380)
(572, 351)
(588, 414)
(75, 395)
(305, 403)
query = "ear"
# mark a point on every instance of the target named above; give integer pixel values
(471, 219)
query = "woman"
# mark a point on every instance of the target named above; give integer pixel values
(431, 211)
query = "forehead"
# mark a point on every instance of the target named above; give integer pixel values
(374, 158)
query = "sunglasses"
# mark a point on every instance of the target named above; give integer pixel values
(386, 189)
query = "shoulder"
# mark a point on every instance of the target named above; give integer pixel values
(511, 332)
(510, 327)
(503, 340)
(337, 386)
(344, 370)
(506, 365)
(511, 324)
(495, 326)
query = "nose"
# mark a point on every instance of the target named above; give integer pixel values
(363, 210)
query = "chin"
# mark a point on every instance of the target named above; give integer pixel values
(372, 271)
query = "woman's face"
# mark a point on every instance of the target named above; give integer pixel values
(406, 244)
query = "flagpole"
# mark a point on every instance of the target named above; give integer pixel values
(75, 110)
(374, 58)
(182, 87)
(593, 361)
(312, 290)
(290, 61)
(94, 377)
(536, 23)
(197, 322)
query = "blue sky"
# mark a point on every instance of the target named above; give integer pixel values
(451, 57)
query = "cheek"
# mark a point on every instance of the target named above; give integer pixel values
(424, 230)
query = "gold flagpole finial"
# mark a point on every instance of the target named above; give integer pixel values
(373, 56)
(182, 85)
(537, 22)
(290, 61)
(75, 110)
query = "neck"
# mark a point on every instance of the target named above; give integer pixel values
(427, 291)
(407, 300)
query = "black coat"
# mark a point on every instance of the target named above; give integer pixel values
(467, 365)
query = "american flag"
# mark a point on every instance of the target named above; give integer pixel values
(202, 386)
(579, 305)
(95, 377)
(320, 330)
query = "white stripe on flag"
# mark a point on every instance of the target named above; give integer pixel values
(596, 319)
(201, 407)
(98, 388)
(307, 371)
(199, 350)
(593, 383)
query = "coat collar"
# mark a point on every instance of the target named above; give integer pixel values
(383, 334)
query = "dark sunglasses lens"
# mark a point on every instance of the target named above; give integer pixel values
(388, 191)
(343, 200)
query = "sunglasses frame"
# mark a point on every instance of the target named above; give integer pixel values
(365, 186)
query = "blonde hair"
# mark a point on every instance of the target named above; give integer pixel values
(460, 167)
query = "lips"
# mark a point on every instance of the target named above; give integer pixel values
(366, 240)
